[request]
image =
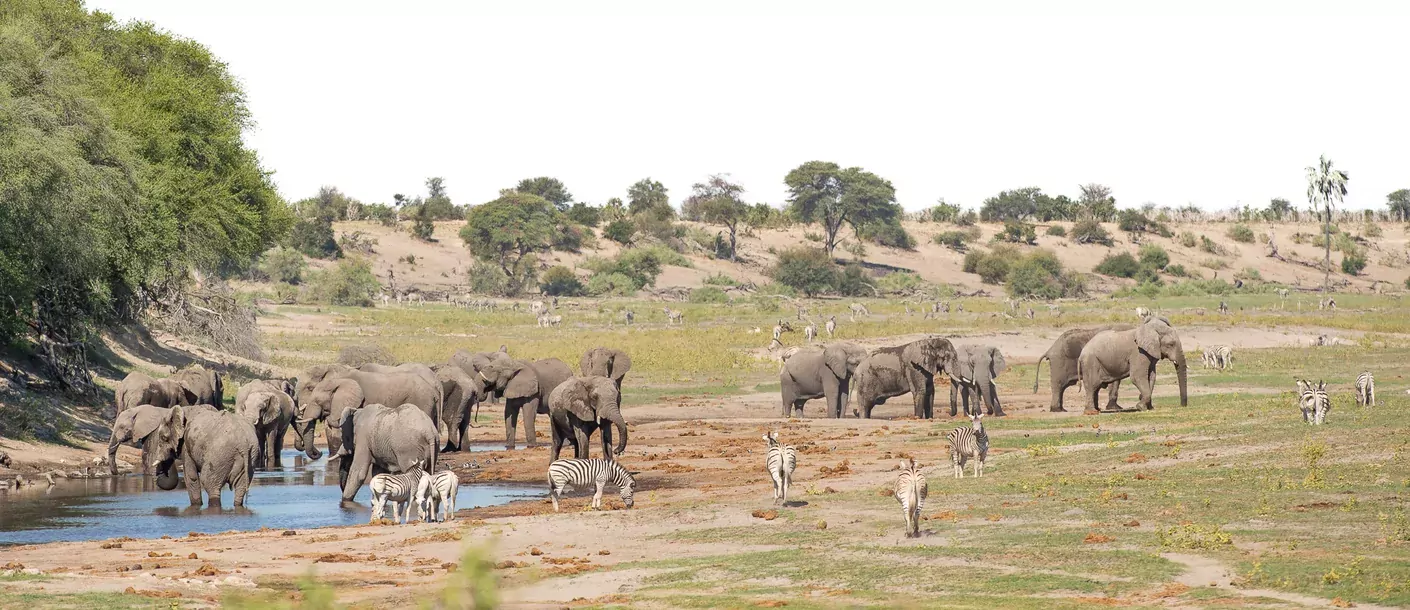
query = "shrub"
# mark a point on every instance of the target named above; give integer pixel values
(1241, 233)
(720, 279)
(1090, 232)
(1177, 270)
(584, 214)
(1016, 232)
(1352, 264)
(954, 240)
(853, 282)
(1152, 255)
(1041, 275)
(993, 267)
(708, 294)
(1147, 275)
(611, 285)
(561, 281)
(811, 236)
(350, 282)
(1132, 221)
(888, 234)
(423, 228)
(622, 231)
(1373, 230)
(900, 282)
(809, 270)
(1214, 263)
(367, 353)
(314, 238)
(570, 237)
(971, 261)
(967, 219)
(1407, 283)
(486, 278)
(1056, 231)
(1118, 265)
(1208, 245)
(1188, 239)
(283, 265)
(642, 265)
(1248, 273)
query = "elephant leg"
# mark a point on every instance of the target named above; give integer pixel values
(511, 421)
(463, 434)
(844, 395)
(1113, 393)
(991, 398)
(193, 477)
(954, 393)
(790, 399)
(212, 485)
(1149, 401)
(928, 400)
(278, 448)
(1090, 391)
(530, 413)
(1059, 386)
(556, 439)
(580, 443)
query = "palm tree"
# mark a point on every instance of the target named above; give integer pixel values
(1325, 189)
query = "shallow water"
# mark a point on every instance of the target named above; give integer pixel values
(301, 495)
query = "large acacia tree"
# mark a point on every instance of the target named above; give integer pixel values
(1326, 187)
(508, 233)
(717, 201)
(825, 193)
(649, 196)
(549, 188)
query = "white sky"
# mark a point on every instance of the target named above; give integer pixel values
(1196, 101)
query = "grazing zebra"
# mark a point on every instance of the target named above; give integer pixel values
(858, 308)
(810, 332)
(1223, 307)
(778, 330)
(438, 501)
(780, 461)
(1366, 389)
(802, 313)
(910, 492)
(631, 317)
(565, 473)
(1314, 401)
(831, 325)
(399, 489)
(1218, 356)
(673, 316)
(1143, 313)
(966, 443)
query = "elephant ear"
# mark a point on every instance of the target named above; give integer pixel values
(270, 405)
(621, 363)
(347, 397)
(1148, 339)
(289, 385)
(219, 385)
(997, 364)
(523, 382)
(574, 396)
(347, 413)
(145, 426)
(835, 359)
(188, 397)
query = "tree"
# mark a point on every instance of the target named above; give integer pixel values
(1097, 203)
(437, 205)
(1399, 204)
(1017, 204)
(823, 192)
(508, 232)
(649, 196)
(584, 214)
(1279, 208)
(717, 201)
(621, 231)
(549, 188)
(1326, 187)
(808, 270)
(613, 210)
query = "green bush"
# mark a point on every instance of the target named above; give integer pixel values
(1407, 283)
(423, 228)
(1188, 239)
(1040, 275)
(283, 265)
(1177, 270)
(1152, 255)
(1148, 275)
(1118, 265)
(571, 237)
(561, 281)
(888, 234)
(1056, 231)
(584, 214)
(611, 285)
(1208, 245)
(1090, 232)
(1016, 232)
(314, 238)
(1249, 273)
(1241, 233)
(708, 294)
(720, 279)
(350, 282)
(622, 231)
(954, 240)
(811, 236)
(993, 266)
(853, 282)
(971, 261)
(1373, 230)
(967, 219)
(900, 282)
(486, 278)
(809, 270)
(943, 212)
(1352, 264)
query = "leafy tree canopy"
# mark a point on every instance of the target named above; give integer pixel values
(649, 196)
(507, 232)
(551, 189)
(825, 193)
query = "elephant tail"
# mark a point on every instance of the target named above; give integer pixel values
(1037, 371)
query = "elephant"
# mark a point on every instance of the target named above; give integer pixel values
(893, 371)
(342, 387)
(268, 404)
(461, 395)
(1113, 355)
(824, 372)
(216, 448)
(473, 362)
(206, 384)
(383, 439)
(141, 389)
(425, 372)
(526, 387)
(583, 405)
(606, 362)
(980, 364)
(135, 425)
(1063, 356)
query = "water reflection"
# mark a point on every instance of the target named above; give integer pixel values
(302, 494)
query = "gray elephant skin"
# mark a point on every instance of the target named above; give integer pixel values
(1113, 355)
(135, 425)
(382, 439)
(216, 448)
(525, 387)
(141, 389)
(461, 394)
(893, 371)
(207, 385)
(581, 406)
(1063, 356)
(268, 404)
(979, 364)
(342, 387)
(474, 362)
(827, 372)
(606, 362)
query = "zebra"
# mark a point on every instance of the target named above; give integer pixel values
(1366, 389)
(564, 473)
(778, 330)
(775, 344)
(673, 316)
(858, 308)
(831, 325)
(1143, 313)
(966, 443)
(631, 317)
(1314, 401)
(810, 332)
(780, 461)
(1031, 314)
(1223, 308)
(439, 496)
(802, 313)
(1218, 356)
(399, 489)
(910, 491)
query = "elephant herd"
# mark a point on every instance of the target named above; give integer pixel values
(1099, 357)
(376, 418)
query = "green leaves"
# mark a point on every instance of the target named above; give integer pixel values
(823, 192)
(507, 231)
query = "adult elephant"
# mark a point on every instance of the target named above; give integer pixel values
(979, 365)
(526, 387)
(474, 362)
(207, 385)
(1113, 355)
(1063, 356)
(824, 372)
(141, 389)
(268, 404)
(583, 405)
(893, 371)
(606, 362)
(383, 439)
(217, 448)
(423, 371)
(461, 394)
(135, 425)
(350, 388)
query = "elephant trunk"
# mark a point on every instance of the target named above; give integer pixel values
(621, 424)
(304, 441)
(1180, 376)
(166, 474)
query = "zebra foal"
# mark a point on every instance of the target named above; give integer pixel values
(438, 501)
(910, 491)
(780, 462)
(967, 443)
(398, 489)
(563, 474)
(1314, 401)
(1366, 389)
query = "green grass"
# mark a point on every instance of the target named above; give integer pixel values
(86, 601)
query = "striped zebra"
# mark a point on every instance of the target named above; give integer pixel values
(910, 492)
(1143, 313)
(1314, 401)
(810, 332)
(439, 496)
(1218, 356)
(966, 443)
(399, 489)
(1366, 389)
(831, 325)
(563, 474)
(780, 461)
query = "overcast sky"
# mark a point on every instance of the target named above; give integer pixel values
(1211, 103)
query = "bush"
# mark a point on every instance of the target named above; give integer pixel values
(367, 353)
(1188, 239)
(314, 238)
(423, 228)
(853, 282)
(350, 282)
(971, 261)
(1132, 221)
(888, 234)
(967, 219)
(1177, 271)
(283, 265)
(611, 285)
(954, 240)
(720, 279)
(1208, 245)
(809, 270)
(1090, 232)
(1148, 275)
(1373, 230)
(1241, 233)
(943, 212)
(561, 281)
(1016, 232)
(1352, 264)
(1118, 265)
(994, 267)
(486, 278)
(1152, 255)
(1249, 273)
(811, 236)
(900, 282)
(584, 214)
(1056, 231)
(570, 237)
(708, 294)
(1041, 275)
(622, 231)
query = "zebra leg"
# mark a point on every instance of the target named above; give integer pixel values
(553, 493)
(449, 503)
(597, 497)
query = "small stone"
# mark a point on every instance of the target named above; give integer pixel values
(289, 533)
(192, 556)
(535, 551)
